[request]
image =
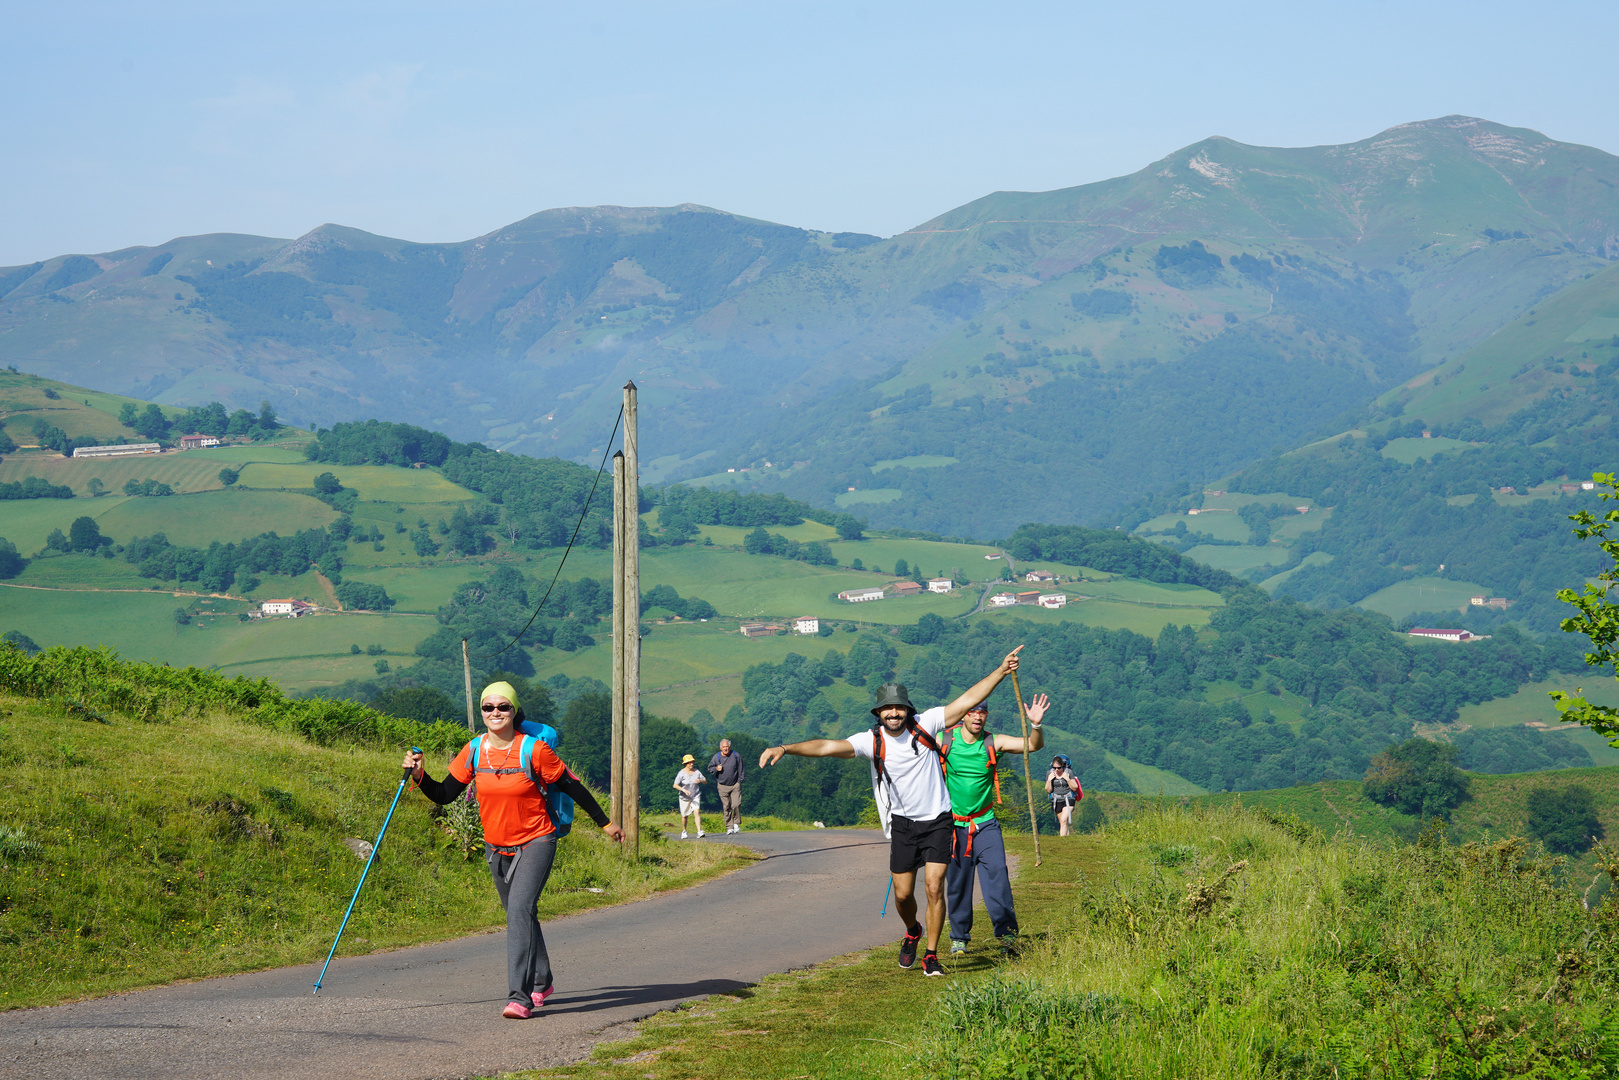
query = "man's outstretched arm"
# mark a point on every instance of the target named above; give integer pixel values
(813, 748)
(980, 690)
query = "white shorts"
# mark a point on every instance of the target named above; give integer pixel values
(688, 806)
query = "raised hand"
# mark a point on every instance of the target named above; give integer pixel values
(1037, 708)
(1009, 665)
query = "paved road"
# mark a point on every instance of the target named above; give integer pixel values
(434, 1011)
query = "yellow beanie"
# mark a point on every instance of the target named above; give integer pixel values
(500, 689)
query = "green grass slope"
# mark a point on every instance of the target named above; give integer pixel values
(223, 849)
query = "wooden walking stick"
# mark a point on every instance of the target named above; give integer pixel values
(1028, 780)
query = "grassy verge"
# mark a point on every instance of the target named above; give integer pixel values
(134, 854)
(1209, 941)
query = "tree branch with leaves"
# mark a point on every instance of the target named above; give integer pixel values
(1598, 619)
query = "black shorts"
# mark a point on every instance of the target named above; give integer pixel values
(918, 842)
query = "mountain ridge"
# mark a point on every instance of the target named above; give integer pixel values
(520, 337)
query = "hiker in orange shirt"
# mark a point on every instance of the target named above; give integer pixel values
(519, 782)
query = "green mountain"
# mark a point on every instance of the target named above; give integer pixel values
(1458, 484)
(998, 364)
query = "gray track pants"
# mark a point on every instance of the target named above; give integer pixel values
(989, 858)
(528, 965)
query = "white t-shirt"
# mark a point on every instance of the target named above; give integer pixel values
(690, 784)
(914, 785)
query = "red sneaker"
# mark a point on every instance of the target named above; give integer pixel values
(907, 949)
(516, 1010)
(539, 996)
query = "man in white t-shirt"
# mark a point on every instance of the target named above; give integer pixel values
(907, 780)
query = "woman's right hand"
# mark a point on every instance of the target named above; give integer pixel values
(413, 761)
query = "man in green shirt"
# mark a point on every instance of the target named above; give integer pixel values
(970, 780)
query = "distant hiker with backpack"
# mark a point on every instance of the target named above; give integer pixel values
(908, 784)
(728, 774)
(1065, 792)
(689, 782)
(970, 754)
(525, 800)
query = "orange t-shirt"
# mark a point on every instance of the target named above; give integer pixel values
(512, 808)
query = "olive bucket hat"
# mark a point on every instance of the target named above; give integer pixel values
(892, 694)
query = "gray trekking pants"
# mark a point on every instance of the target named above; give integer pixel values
(731, 803)
(528, 965)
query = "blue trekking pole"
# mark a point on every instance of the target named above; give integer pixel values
(403, 780)
(886, 891)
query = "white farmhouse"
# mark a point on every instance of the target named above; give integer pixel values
(806, 624)
(1053, 600)
(940, 584)
(1003, 599)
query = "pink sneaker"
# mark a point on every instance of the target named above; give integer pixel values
(516, 1010)
(539, 996)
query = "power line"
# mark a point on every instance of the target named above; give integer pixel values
(579, 525)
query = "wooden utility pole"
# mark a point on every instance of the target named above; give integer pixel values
(466, 671)
(615, 793)
(627, 613)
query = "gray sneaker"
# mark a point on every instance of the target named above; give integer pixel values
(958, 947)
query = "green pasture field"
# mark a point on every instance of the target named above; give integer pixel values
(1108, 614)
(226, 516)
(81, 572)
(263, 453)
(380, 483)
(1286, 706)
(867, 495)
(684, 652)
(1408, 451)
(141, 626)
(1150, 592)
(27, 522)
(1066, 571)
(193, 520)
(1151, 780)
(1315, 558)
(915, 461)
(1421, 594)
(755, 586)
(680, 702)
(1538, 494)
(1530, 704)
(732, 535)
(184, 471)
(1237, 559)
(1218, 524)
(933, 555)
(422, 588)
(23, 400)
(1292, 527)
(1236, 500)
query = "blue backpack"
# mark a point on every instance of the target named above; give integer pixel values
(559, 805)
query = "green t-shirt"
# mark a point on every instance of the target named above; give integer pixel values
(971, 787)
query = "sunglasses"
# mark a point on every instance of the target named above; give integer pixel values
(496, 708)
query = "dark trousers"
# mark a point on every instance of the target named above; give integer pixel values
(528, 965)
(989, 859)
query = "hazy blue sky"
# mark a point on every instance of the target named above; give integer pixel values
(129, 123)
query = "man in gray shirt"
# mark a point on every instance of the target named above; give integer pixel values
(727, 769)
